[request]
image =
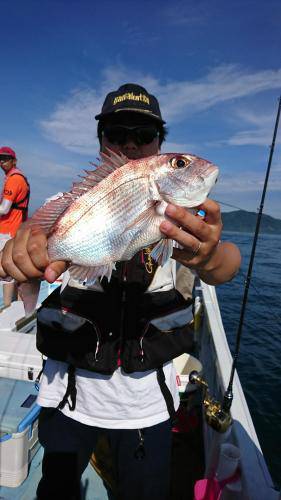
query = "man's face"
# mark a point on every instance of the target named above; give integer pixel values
(129, 133)
(7, 163)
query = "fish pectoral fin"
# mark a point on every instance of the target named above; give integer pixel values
(154, 190)
(162, 251)
(143, 219)
(89, 275)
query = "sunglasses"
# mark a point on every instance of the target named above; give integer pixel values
(4, 159)
(118, 134)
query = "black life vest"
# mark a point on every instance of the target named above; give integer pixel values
(100, 331)
(18, 205)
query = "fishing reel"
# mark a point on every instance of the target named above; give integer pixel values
(217, 415)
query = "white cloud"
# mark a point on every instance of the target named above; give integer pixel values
(259, 135)
(247, 182)
(186, 14)
(176, 147)
(254, 118)
(39, 166)
(179, 99)
(72, 123)
(47, 176)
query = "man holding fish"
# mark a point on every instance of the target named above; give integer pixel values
(119, 233)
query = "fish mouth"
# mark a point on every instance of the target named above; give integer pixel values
(208, 184)
(192, 198)
(212, 176)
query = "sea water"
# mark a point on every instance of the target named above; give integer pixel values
(259, 359)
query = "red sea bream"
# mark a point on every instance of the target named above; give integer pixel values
(117, 208)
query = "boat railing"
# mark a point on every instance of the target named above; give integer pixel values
(216, 359)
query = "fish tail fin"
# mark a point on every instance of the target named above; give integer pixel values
(46, 216)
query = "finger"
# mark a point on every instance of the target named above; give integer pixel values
(200, 213)
(212, 211)
(37, 249)
(54, 270)
(8, 264)
(21, 254)
(3, 274)
(194, 225)
(186, 240)
(191, 254)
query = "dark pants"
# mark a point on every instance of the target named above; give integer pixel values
(68, 448)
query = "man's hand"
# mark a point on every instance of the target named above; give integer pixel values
(199, 238)
(25, 257)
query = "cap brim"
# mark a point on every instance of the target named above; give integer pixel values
(132, 110)
(12, 157)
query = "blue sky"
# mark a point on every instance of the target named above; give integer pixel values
(215, 67)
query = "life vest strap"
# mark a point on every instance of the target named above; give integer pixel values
(166, 393)
(15, 205)
(70, 392)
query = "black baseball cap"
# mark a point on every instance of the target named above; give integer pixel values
(131, 97)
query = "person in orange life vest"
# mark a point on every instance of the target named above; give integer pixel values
(13, 207)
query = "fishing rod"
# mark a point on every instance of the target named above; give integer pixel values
(228, 396)
(218, 414)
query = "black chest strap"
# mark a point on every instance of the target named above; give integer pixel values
(16, 205)
(70, 392)
(166, 393)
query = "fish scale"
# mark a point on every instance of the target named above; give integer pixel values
(101, 229)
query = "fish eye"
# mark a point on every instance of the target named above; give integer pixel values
(180, 162)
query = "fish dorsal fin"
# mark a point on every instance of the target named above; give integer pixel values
(47, 215)
(110, 162)
(112, 159)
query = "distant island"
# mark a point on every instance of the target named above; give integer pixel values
(245, 222)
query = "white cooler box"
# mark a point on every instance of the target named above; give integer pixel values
(19, 358)
(18, 430)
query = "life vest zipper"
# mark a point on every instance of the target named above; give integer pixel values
(98, 341)
(147, 326)
(96, 329)
(123, 301)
